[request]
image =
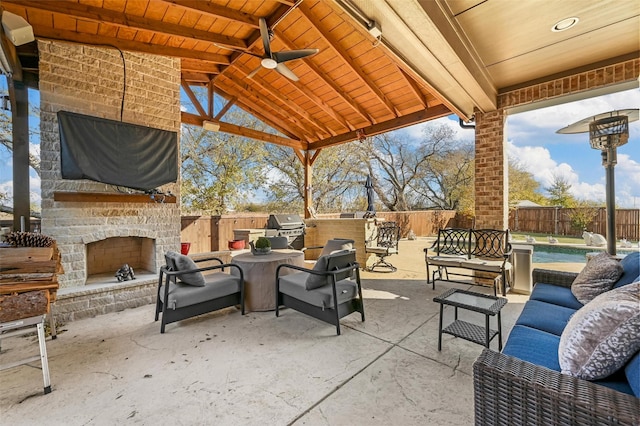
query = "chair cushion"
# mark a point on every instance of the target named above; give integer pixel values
(598, 276)
(534, 346)
(631, 266)
(545, 316)
(555, 294)
(217, 285)
(381, 250)
(452, 261)
(602, 336)
(315, 281)
(336, 244)
(185, 263)
(294, 285)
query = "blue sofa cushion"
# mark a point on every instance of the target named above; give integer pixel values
(555, 294)
(632, 372)
(534, 346)
(631, 266)
(617, 381)
(545, 316)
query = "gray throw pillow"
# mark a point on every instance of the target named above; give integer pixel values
(602, 336)
(185, 263)
(336, 244)
(317, 281)
(598, 276)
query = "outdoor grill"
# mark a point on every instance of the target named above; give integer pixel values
(287, 225)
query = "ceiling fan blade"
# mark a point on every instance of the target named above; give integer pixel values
(254, 72)
(284, 70)
(264, 32)
(290, 55)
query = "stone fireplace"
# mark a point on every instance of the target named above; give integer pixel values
(97, 235)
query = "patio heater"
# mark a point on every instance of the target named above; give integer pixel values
(607, 131)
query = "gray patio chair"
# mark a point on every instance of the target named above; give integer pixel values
(326, 292)
(184, 291)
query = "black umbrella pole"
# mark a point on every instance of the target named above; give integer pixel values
(611, 203)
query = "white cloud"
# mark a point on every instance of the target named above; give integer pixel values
(416, 132)
(35, 195)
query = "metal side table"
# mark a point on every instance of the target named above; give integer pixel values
(485, 304)
(25, 326)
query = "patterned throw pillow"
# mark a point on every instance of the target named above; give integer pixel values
(598, 276)
(185, 263)
(603, 335)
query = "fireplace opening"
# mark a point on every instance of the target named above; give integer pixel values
(106, 256)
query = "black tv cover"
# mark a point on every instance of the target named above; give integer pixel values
(116, 153)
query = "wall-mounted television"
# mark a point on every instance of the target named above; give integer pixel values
(116, 153)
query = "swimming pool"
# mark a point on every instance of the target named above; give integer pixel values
(563, 254)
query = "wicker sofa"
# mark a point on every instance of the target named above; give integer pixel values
(523, 384)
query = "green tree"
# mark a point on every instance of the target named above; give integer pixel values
(559, 194)
(335, 184)
(582, 214)
(219, 170)
(522, 185)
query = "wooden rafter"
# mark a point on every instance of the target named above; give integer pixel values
(225, 108)
(275, 122)
(102, 15)
(346, 98)
(336, 46)
(195, 77)
(386, 126)
(288, 103)
(245, 132)
(414, 88)
(218, 11)
(274, 110)
(128, 45)
(194, 99)
(192, 65)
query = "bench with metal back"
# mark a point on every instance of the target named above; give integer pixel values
(471, 252)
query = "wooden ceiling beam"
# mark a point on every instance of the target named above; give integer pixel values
(273, 120)
(230, 102)
(218, 11)
(193, 65)
(413, 85)
(102, 15)
(194, 99)
(128, 45)
(295, 109)
(386, 126)
(258, 99)
(348, 100)
(342, 53)
(234, 129)
(195, 77)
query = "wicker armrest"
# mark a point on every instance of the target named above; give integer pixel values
(510, 391)
(559, 278)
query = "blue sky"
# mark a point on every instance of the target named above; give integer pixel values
(532, 141)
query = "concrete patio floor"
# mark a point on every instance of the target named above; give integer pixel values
(227, 369)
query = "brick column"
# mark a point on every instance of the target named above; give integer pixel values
(491, 180)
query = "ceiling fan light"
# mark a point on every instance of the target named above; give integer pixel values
(565, 24)
(269, 63)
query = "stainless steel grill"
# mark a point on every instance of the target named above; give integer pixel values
(287, 225)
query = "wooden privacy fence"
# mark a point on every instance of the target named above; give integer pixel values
(558, 221)
(212, 233)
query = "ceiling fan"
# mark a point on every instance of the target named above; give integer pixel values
(275, 60)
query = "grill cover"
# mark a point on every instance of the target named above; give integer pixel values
(285, 221)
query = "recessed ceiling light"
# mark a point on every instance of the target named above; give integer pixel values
(565, 24)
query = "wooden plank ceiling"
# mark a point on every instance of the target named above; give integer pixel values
(354, 87)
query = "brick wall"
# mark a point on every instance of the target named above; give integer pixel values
(89, 80)
(491, 194)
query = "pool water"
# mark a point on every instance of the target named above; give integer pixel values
(563, 254)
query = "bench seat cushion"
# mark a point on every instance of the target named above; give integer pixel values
(216, 285)
(485, 265)
(545, 316)
(632, 373)
(322, 297)
(555, 294)
(449, 261)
